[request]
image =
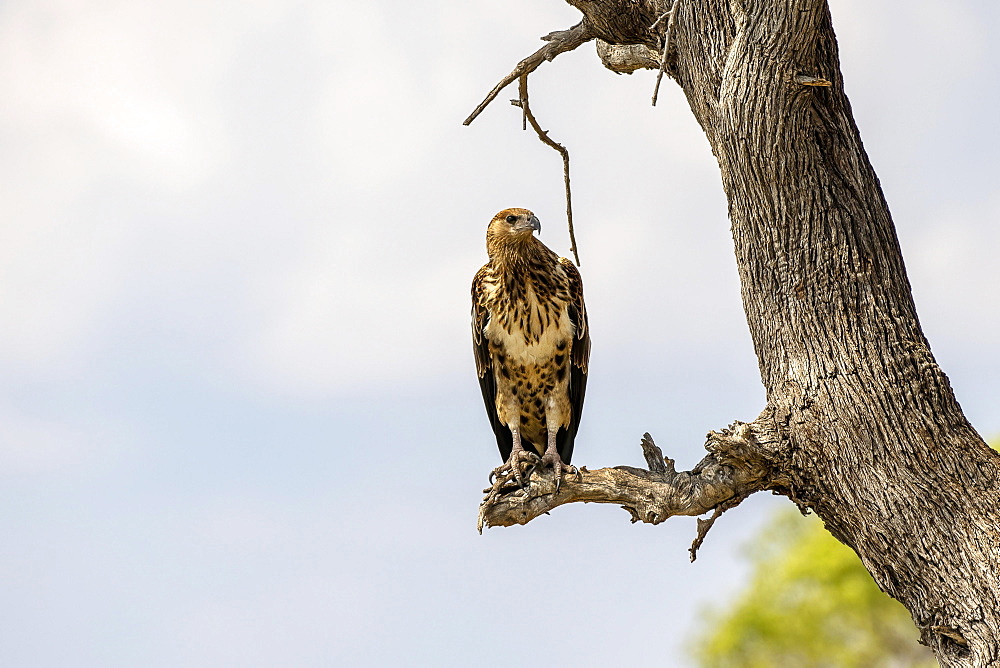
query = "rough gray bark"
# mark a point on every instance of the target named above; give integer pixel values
(861, 424)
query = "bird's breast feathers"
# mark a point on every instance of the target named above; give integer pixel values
(529, 331)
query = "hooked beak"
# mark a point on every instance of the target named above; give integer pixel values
(530, 224)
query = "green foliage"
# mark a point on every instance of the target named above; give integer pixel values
(811, 603)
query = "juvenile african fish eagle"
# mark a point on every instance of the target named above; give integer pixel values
(532, 345)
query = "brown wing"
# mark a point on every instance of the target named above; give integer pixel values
(484, 365)
(578, 313)
(579, 358)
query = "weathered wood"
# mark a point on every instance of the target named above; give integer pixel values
(733, 470)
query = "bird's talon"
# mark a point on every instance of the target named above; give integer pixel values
(517, 469)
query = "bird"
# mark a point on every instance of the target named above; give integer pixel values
(531, 341)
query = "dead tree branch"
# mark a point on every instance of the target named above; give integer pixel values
(543, 135)
(735, 467)
(672, 12)
(558, 42)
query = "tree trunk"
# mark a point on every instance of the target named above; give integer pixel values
(861, 424)
(873, 437)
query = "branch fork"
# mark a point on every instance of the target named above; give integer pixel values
(557, 42)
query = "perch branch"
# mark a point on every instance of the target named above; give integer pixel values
(529, 118)
(557, 42)
(733, 469)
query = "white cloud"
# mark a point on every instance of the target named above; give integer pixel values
(35, 445)
(146, 137)
(139, 81)
(114, 103)
(954, 270)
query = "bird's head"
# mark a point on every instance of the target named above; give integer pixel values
(511, 227)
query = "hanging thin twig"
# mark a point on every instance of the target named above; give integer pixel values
(559, 41)
(660, 18)
(666, 45)
(522, 102)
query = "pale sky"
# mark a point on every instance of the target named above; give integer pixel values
(240, 423)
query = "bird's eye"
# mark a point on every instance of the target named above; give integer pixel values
(511, 219)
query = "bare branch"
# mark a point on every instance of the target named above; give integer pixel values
(666, 45)
(705, 525)
(528, 117)
(733, 469)
(558, 42)
(660, 18)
